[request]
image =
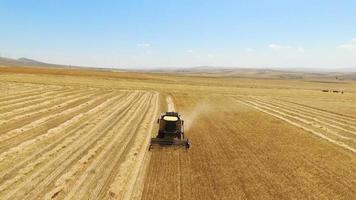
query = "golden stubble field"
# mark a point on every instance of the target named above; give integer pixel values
(82, 134)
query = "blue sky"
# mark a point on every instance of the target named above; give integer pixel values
(181, 33)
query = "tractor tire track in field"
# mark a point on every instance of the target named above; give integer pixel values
(159, 179)
(326, 125)
(74, 143)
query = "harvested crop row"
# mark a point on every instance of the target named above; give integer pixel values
(322, 112)
(13, 103)
(44, 143)
(44, 121)
(23, 94)
(82, 150)
(328, 121)
(14, 88)
(68, 137)
(51, 151)
(47, 103)
(331, 133)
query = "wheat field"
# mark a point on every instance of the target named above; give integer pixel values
(84, 134)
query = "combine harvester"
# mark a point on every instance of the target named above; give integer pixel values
(171, 131)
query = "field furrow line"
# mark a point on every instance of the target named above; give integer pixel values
(69, 154)
(343, 123)
(335, 119)
(41, 125)
(84, 159)
(73, 135)
(334, 135)
(312, 118)
(59, 131)
(106, 162)
(19, 126)
(46, 104)
(284, 118)
(84, 155)
(127, 158)
(13, 92)
(30, 96)
(347, 119)
(30, 100)
(24, 93)
(134, 182)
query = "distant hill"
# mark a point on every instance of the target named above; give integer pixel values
(262, 73)
(210, 71)
(23, 62)
(26, 62)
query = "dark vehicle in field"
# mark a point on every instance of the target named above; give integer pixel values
(171, 131)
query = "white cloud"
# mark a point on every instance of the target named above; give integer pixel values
(189, 51)
(346, 46)
(146, 45)
(249, 49)
(278, 46)
(301, 49)
(211, 55)
(349, 45)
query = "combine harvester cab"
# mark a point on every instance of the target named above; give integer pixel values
(171, 131)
